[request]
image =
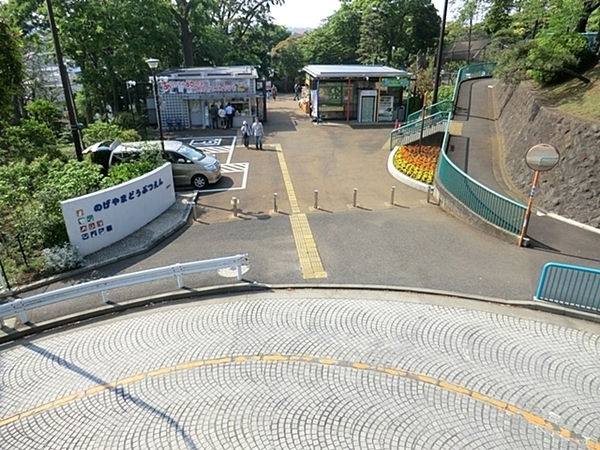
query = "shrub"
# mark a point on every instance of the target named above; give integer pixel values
(27, 141)
(148, 161)
(61, 258)
(100, 131)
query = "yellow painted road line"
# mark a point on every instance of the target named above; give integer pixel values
(310, 261)
(307, 359)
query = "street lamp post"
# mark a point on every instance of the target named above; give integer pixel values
(153, 64)
(130, 84)
(66, 82)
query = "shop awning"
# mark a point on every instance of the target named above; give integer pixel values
(353, 71)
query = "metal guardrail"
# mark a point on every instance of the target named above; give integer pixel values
(444, 105)
(21, 306)
(410, 132)
(571, 286)
(479, 70)
(483, 201)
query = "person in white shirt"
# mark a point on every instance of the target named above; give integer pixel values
(222, 117)
(258, 133)
(246, 132)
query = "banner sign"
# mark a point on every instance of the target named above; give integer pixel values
(99, 219)
(217, 86)
(395, 82)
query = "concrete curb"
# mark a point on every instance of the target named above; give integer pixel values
(252, 286)
(405, 179)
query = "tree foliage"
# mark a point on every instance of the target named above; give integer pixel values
(11, 69)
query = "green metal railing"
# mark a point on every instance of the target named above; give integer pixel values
(444, 105)
(414, 127)
(486, 203)
(480, 70)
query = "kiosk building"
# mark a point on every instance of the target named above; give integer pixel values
(185, 95)
(360, 93)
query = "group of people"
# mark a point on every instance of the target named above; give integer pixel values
(221, 117)
(256, 130)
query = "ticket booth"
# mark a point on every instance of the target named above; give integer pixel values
(366, 94)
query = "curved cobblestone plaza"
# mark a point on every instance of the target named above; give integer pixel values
(289, 370)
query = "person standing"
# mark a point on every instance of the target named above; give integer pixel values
(246, 132)
(296, 91)
(222, 117)
(258, 133)
(274, 92)
(229, 113)
(214, 116)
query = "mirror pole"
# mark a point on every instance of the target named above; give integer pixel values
(536, 177)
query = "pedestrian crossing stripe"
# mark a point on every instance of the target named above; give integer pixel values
(234, 167)
(220, 149)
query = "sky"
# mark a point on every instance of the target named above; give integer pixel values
(310, 13)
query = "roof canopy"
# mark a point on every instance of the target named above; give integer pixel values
(353, 71)
(212, 72)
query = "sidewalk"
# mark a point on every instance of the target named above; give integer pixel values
(478, 153)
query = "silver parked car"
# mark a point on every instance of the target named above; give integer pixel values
(191, 167)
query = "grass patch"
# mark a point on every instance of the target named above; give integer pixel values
(574, 97)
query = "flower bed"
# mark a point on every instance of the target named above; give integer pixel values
(417, 163)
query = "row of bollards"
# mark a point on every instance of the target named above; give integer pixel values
(235, 202)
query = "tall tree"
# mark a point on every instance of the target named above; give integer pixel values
(11, 69)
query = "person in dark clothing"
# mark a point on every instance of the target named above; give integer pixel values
(214, 116)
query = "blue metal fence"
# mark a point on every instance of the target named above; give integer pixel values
(570, 286)
(444, 105)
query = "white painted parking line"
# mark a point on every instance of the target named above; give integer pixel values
(232, 168)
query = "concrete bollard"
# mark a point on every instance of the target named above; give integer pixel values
(275, 202)
(354, 199)
(235, 203)
(316, 205)
(392, 196)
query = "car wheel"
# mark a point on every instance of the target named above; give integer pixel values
(199, 181)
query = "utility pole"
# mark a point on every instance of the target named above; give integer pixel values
(438, 62)
(66, 82)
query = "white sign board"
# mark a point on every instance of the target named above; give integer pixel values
(102, 218)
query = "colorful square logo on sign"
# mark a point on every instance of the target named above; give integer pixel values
(100, 223)
(108, 228)
(90, 218)
(94, 233)
(85, 236)
(81, 221)
(82, 229)
(92, 226)
(100, 231)
(79, 213)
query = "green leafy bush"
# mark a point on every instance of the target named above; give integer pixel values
(27, 141)
(100, 131)
(148, 160)
(46, 112)
(552, 54)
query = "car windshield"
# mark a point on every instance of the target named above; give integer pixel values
(191, 153)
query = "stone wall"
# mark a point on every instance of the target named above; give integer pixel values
(572, 188)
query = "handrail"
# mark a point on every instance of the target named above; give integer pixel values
(415, 126)
(571, 286)
(442, 106)
(21, 306)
